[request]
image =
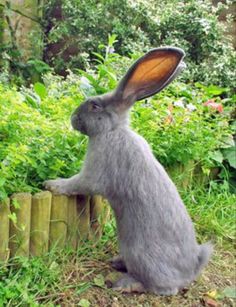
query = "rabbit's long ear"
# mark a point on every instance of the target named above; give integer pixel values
(149, 75)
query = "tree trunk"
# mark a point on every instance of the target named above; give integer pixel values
(23, 30)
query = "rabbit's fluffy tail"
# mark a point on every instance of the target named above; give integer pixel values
(205, 251)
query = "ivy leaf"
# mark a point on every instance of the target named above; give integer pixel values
(230, 292)
(99, 280)
(84, 303)
(217, 156)
(230, 156)
(228, 142)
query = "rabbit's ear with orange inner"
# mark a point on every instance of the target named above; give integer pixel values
(149, 75)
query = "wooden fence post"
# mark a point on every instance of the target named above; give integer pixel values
(20, 229)
(44, 221)
(40, 223)
(99, 212)
(83, 213)
(72, 230)
(4, 229)
(58, 223)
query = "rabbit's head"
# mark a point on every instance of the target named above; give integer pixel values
(146, 77)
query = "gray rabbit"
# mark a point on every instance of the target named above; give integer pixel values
(158, 247)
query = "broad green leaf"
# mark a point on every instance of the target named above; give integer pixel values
(99, 280)
(217, 156)
(228, 142)
(230, 156)
(40, 89)
(215, 90)
(230, 292)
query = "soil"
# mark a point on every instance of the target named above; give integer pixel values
(84, 281)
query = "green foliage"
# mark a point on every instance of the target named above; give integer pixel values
(20, 48)
(212, 211)
(194, 26)
(178, 125)
(109, 70)
(75, 31)
(36, 140)
(182, 123)
(80, 27)
(22, 280)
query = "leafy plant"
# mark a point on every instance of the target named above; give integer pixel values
(182, 123)
(75, 30)
(36, 141)
(29, 279)
(179, 127)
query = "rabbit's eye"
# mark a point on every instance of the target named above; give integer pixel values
(94, 107)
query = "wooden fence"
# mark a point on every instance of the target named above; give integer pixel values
(34, 224)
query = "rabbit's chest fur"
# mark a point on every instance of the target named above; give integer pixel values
(138, 188)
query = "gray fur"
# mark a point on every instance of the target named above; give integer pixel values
(156, 235)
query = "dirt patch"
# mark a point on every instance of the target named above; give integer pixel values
(84, 279)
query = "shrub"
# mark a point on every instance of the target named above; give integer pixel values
(179, 127)
(37, 141)
(80, 27)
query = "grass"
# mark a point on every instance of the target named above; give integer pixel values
(77, 279)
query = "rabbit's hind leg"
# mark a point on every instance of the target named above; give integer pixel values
(128, 284)
(118, 263)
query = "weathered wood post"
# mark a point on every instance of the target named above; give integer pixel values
(40, 223)
(20, 229)
(58, 223)
(99, 212)
(4, 229)
(83, 213)
(72, 229)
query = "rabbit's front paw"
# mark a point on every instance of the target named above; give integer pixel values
(57, 186)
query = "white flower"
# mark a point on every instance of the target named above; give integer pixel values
(179, 103)
(191, 107)
(111, 50)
